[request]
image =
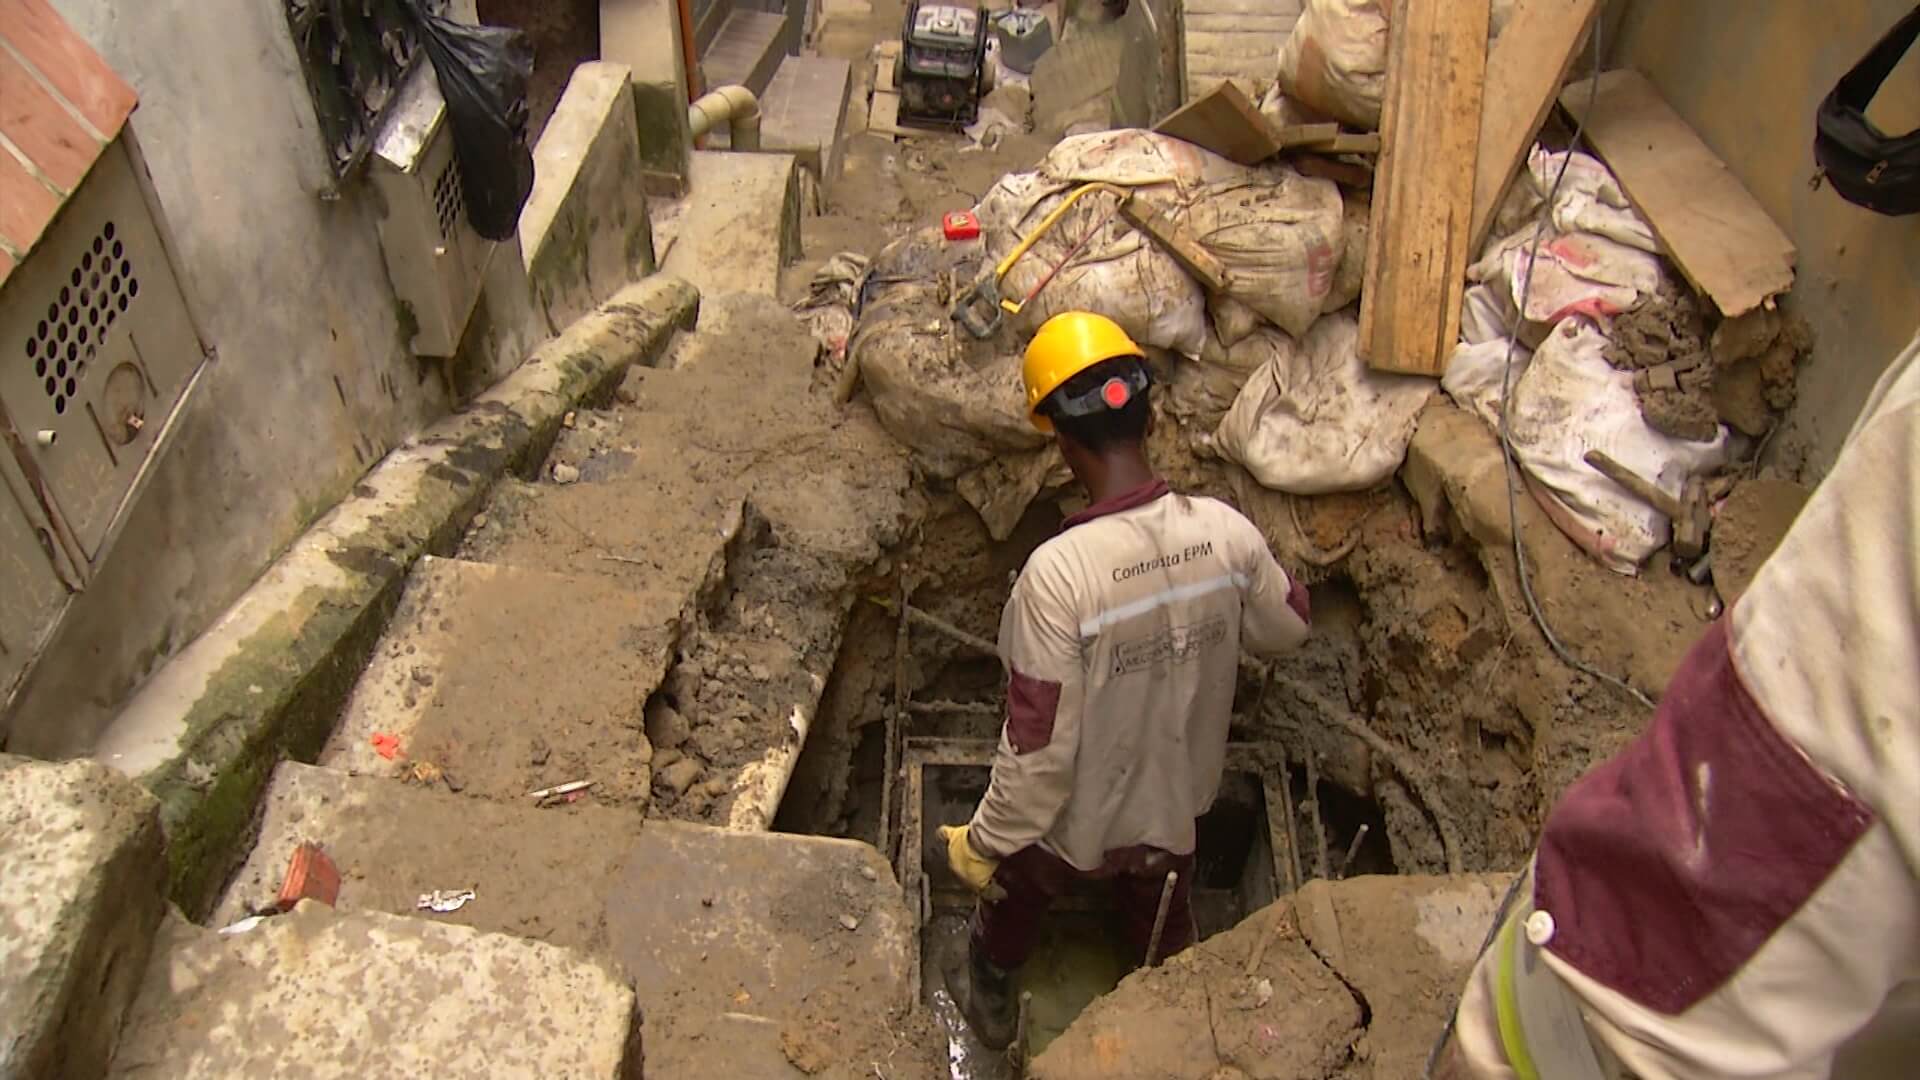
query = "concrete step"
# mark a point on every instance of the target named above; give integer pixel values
(738, 226)
(732, 939)
(804, 112)
(82, 891)
(507, 680)
(323, 993)
(747, 50)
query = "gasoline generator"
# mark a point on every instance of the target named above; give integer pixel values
(941, 72)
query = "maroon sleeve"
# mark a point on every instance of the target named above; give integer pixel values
(1032, 705)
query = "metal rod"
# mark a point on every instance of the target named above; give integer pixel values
(1313, 815)
(1021, 1020)
(1160, 917)
(965, 708)
(1293, 838)
(891, 732)
(942, 626)
(1352, 850)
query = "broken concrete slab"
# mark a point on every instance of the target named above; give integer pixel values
(645, 36)
(82, 874)
(318, 992)
(759, 917)
(584, 231)
(1405, 945)
(804, 112)
(503, 681)
(268, 679)
(1201, 1011)
(741, 223)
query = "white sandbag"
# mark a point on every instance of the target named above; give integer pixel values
(1232, 320)
(1351, 273)
(1569, 401)
(1575, 274)
(1335, 59)
(1278, 235)
(1200, 392)
(1474, 376)
(1590, 199)
(1320, 420)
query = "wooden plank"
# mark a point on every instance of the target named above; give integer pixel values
(1176, 241)
(884, 117)
(1345, 143)
(1423, 190)
(1524, 72)
(883, 77)
(1709, 223)
(1224, 121)
(1307, 134)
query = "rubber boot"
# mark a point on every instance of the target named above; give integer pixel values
(988, 1004)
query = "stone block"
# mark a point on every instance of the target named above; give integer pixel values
(645, 36)
(82, 891)
(268, 680)
(741, 224)
(321, 993)
(585, 232)
(804, 112)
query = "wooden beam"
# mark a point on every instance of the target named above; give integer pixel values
(1712, 227)
(1224, 121)
(1524, 72)
(1417, 251)
(1176, 241)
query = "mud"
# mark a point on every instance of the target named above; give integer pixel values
(1743, 374)
(1746, 529)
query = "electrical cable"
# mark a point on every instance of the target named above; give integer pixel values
(1506, 397)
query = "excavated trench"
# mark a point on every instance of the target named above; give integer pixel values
(1400, 739)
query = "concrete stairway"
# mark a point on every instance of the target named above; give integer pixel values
(804, 112)
(747, 50)
(1236, 40)
(739, 225)
(658, 615)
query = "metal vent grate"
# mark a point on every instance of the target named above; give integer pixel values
(98, 291)
(449, 203)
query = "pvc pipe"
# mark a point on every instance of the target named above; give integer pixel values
(734, 106)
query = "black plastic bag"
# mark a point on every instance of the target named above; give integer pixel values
(1867, 166)
(483, 74)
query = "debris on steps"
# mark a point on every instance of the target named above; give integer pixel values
(738, 944)
(319, 991)
(498, 681)
(739, 225)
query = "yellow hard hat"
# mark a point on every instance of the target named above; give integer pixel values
(1068, 344)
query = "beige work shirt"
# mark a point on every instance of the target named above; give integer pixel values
(1121, 642)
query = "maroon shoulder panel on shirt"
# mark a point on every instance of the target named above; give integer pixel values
(1031, 706)
(1669, 866)
(1299, 601)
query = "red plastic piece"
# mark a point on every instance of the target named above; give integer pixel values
(960, 225)
(386, 745)
(310, 876)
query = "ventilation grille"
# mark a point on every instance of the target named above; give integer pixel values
(98, 291)
(449, 204)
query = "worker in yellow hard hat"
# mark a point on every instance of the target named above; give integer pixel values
(1121, 643)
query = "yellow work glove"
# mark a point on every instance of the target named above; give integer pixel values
(971, 867)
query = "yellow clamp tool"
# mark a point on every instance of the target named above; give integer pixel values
(981, 309)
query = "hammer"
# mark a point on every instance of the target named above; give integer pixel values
(1691, 518)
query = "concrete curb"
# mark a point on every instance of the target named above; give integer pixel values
(268, 680)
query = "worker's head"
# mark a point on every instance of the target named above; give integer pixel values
(1087, 383)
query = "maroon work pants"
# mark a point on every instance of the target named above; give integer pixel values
(1005, 930)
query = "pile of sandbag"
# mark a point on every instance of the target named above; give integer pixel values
(1264, 371)
(1595, 261)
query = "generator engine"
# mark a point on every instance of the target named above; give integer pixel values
(942, 67)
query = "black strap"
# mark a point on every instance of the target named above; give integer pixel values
(1865, 165)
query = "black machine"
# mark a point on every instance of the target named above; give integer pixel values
(942, 67)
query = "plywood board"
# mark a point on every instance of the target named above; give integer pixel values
(1710, 225)
(1423, 192)
(1524, 72)
(1224, 121)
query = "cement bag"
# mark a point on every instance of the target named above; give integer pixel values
(1569, 401)
(1475, 374)
(1351, 272)
(1335, 60)
(1321, 420)
(1278, 234)
(955, 402)
(1574, 274)
(1200, 392)
(1590, 199)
